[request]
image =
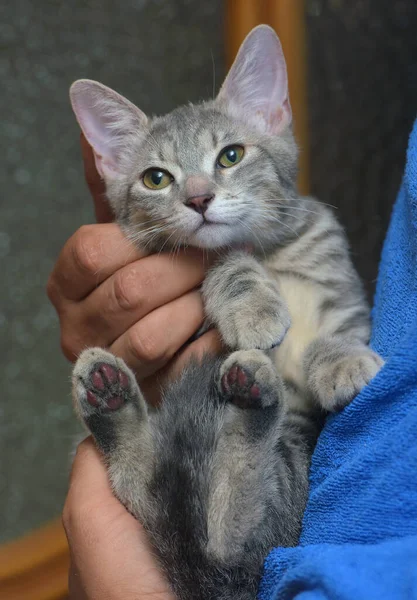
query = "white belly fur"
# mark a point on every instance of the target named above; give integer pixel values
(303, 301)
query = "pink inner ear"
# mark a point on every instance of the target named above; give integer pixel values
(107, 119)
(257, 82)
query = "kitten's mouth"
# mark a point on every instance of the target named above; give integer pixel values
(206, 223)
(211, 234)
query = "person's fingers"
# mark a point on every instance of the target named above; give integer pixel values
(209, 343)
(110, 555)
(91, 255)
(136, 290)
(95, 184)
(88, 485)
(151, 343)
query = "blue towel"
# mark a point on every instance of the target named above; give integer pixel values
(359, 537)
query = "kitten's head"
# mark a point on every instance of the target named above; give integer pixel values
(214, 174)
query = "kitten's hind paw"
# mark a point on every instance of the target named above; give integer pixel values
(102, 383)
(248, 379)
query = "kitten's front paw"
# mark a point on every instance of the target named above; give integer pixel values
(260, 324)
(336, 384)
(248, 379)
(244, 303)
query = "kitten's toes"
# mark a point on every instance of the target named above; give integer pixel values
(249, 380)
(256, 328)
(337, 384)
(102, 383)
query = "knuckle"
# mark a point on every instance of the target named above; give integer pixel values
(126, 290)
(145, 348)
(70, 346)
(86, 249)
(51, 290)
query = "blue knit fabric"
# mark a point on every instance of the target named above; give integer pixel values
(359, 537)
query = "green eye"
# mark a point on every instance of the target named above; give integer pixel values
(155, 179)
(230, 156)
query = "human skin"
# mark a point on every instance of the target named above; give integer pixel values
(110, 555)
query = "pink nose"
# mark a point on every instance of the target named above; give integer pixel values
(199, 203)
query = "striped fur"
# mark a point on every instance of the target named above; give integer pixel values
(216, 483)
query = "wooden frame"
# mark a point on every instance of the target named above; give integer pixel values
(35, 567)
(287, 17)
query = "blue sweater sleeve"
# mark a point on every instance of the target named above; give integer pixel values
(359, 535)
(382, 571)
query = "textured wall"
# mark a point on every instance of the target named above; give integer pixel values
(158, 53)
(362, 102)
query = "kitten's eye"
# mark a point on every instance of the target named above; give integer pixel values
(155, 179)
(230, 156)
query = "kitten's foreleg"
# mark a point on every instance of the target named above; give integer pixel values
(110, 404)
(337, 368)
(244, 303)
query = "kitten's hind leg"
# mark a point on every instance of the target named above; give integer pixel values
(244, 462)
(110, 404)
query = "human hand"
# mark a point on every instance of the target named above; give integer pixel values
(110, 555)
(109, 294)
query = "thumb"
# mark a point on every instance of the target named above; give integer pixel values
(110, 554)
(95, 184)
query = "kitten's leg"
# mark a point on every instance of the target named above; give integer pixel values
(244, 303)
(244, 461)
(110, 404)
(337, 369)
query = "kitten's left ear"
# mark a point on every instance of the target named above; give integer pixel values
(256, 87)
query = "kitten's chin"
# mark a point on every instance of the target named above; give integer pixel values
(212, 236)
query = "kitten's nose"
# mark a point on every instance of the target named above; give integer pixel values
(199, 203)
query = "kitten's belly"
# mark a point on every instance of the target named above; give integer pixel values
(303, 299)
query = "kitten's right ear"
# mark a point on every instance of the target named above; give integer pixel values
(256, 87)
(107, 120)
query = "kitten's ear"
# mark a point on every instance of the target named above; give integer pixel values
(107, 120)
(256, 87)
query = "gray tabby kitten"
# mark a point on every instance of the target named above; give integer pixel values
(218, 475)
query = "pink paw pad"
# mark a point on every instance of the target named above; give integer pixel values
(242, 379)
(235, 377)
(239, 385)
(109, 373)
(92, 399)
(114, 403)
(97, 380)
(255, 392)
(123, 380)
(108, 387)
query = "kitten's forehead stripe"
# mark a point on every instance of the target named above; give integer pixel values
(190, 138)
